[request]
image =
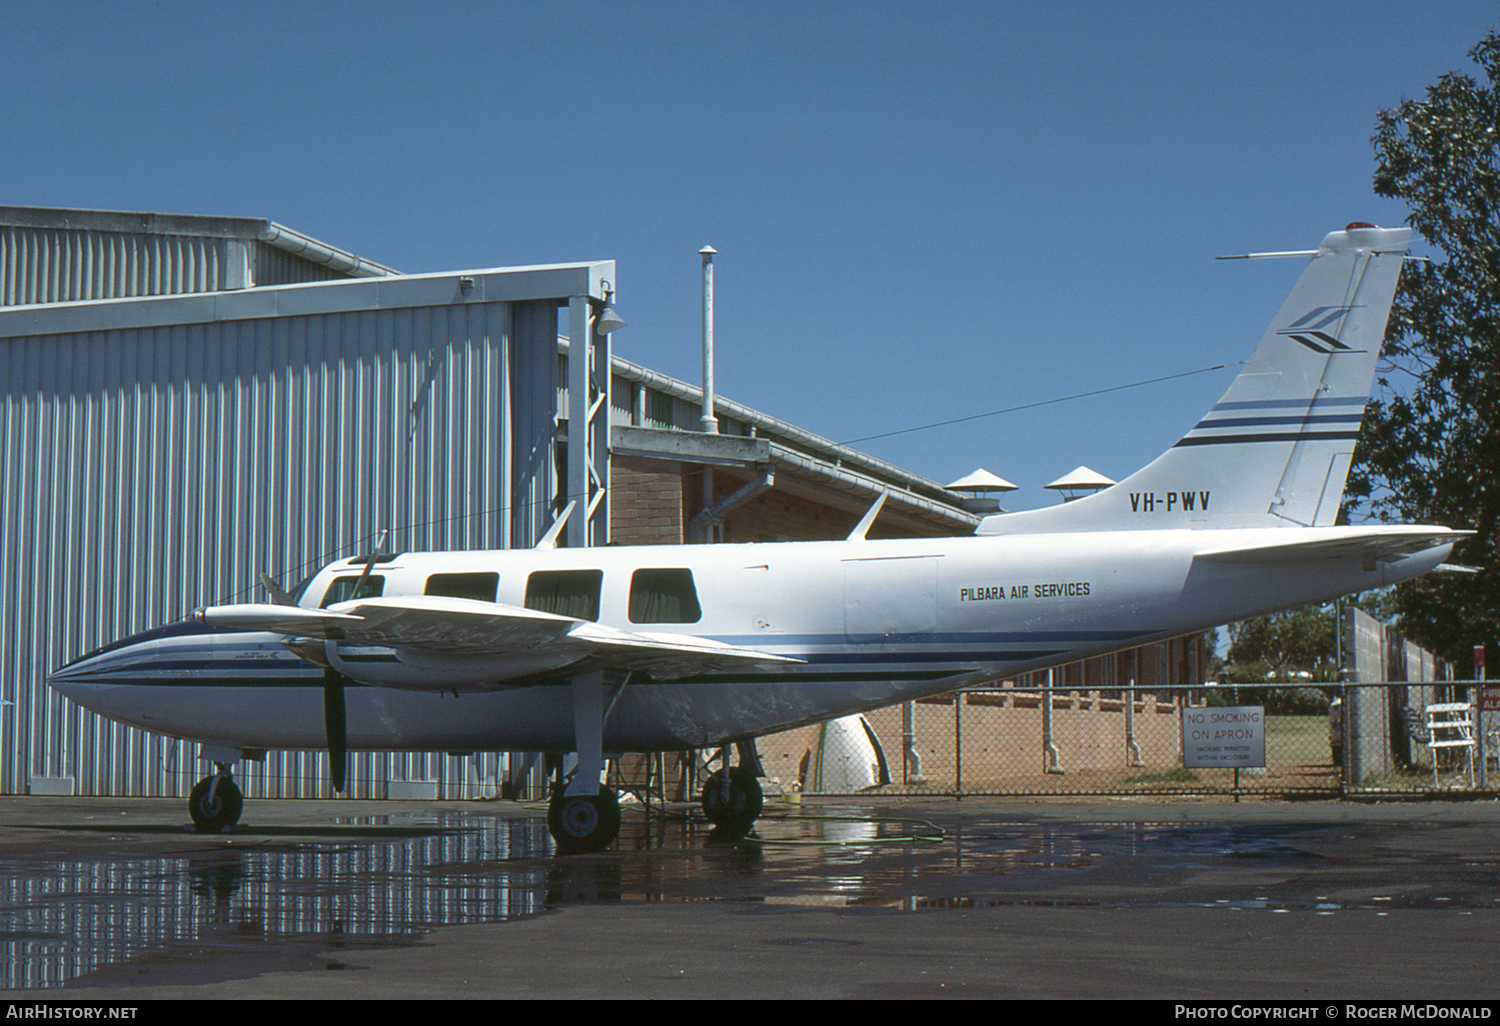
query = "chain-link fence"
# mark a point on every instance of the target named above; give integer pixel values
(1331, 739)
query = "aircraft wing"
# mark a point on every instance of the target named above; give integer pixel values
(664, 655)
(470, 628)
(1369, 543)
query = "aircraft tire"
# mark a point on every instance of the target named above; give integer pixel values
(211, 815)
(584, 823)
(732, 801)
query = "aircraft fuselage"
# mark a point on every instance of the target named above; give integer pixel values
(872, 622)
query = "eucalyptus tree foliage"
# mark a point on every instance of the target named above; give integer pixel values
(1429, 451)
(1284, 646)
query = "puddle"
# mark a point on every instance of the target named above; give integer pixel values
(62, 919)
(234, 912)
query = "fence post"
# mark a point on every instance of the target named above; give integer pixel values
(1482, 674)
(958, 743)
(1343, 732)
(1050, 755)
(911, 759)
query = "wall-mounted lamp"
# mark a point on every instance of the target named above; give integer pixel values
(609, 320)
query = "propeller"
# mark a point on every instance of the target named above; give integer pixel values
(334, 723)
(335, 719)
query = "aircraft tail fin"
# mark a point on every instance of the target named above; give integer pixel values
(1275, 450)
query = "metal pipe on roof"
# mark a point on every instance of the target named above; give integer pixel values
(309, 248)
(863, 485)
(710, 422)
(699, 524)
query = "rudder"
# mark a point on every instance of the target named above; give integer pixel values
(1275, 449)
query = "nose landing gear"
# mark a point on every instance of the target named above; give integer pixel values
(216, 801)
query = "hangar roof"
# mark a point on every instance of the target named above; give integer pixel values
(65, 271)
(801, 454)
(50, 254)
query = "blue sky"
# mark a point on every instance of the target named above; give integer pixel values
(923, 210)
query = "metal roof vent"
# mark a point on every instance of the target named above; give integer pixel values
(1079, 482)
(980, 484)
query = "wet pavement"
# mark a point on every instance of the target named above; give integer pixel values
(116, 899)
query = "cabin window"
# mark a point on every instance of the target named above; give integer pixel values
(342, 589)
(479, 587)
(664, 596)
(572, 593)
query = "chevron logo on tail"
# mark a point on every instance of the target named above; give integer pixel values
(1306, 330)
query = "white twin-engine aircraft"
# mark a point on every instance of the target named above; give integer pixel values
(607, 650)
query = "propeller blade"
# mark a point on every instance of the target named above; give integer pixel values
(334, 724)
(334, 716)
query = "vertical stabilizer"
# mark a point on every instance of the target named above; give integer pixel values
(1275, 450)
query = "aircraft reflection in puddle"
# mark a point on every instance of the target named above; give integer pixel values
(63, 919)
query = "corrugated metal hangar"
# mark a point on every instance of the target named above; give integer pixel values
(191, 401)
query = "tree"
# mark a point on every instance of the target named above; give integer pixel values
(1285, 645)
(1429, 450)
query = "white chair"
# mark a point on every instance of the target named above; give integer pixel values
(1450, 725)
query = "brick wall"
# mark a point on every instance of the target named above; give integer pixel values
(775, 516)
(646, 501)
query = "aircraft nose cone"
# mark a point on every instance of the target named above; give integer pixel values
(139, 659)
(82, 680)
(85, 678)
(61, 680)
(70, 676)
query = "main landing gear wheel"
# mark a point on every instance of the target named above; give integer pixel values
(216, 802)
(732, 800)
(584, 822)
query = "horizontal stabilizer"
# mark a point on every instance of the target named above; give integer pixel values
(1367, 543)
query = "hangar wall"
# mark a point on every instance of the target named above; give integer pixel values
(159, 454)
